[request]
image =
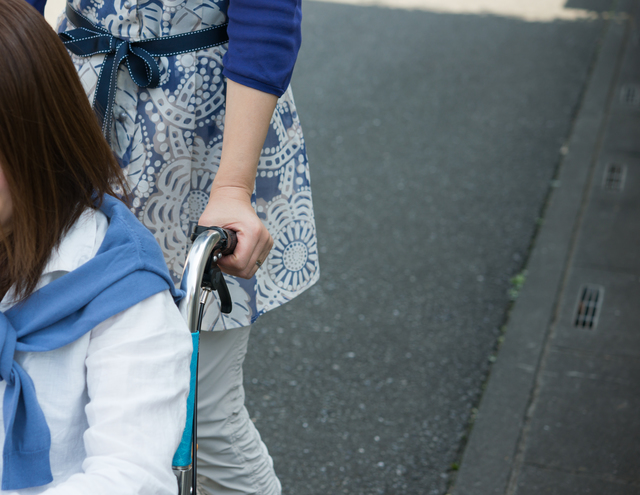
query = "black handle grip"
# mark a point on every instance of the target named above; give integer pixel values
(232, 241)
(229, 237)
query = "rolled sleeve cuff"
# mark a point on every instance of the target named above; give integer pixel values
(252, 83)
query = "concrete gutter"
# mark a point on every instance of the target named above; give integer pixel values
(493, 445)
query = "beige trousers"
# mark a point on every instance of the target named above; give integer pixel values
(232, 458)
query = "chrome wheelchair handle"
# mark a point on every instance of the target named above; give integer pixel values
(209, 244)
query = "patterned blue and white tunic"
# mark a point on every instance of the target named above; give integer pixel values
(169, 141)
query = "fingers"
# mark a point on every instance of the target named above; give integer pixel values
(226, 209)
(252, 246)
(261, 256)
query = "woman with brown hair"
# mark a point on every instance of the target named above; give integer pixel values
(94, 355)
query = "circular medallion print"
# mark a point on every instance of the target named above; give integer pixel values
(197, 201)
(295, 256)
(293, 259)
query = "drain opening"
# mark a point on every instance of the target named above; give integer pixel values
(614, 177)
(630, 94)
(589, 305)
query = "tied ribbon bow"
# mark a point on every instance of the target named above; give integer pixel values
(139, 56)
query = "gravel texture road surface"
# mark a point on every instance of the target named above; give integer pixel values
(433, 139)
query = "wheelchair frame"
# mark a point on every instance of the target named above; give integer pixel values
(200, 277)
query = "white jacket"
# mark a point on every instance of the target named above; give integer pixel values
(115, 399)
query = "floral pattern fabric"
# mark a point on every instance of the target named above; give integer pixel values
(169, 141)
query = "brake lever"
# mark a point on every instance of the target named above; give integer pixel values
(212, 278)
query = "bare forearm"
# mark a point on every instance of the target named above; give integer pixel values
(247, 116)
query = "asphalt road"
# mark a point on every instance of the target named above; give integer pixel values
(433, 140)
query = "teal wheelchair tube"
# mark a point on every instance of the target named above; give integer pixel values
(183, 458)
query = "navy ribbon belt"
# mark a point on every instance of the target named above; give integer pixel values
(88, 39)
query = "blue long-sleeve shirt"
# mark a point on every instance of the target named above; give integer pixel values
(264, 39)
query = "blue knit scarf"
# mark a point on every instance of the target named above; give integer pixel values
(128, 268)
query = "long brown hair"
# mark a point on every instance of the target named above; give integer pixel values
(52, 153)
